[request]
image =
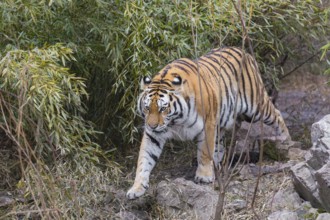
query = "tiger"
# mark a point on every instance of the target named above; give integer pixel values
(191, 99)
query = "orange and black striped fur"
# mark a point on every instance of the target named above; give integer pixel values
(190, 99)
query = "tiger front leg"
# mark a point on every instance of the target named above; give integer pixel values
(150, 150)
(205, 153)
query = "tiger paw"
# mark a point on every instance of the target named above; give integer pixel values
(204, 174)
(204, 179)
(136, 192)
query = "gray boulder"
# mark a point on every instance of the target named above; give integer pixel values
(323, 216)
(184, 199)
(237, 205)
(305, 183)
(311, 178)
(321, 129)
(317, 157)
(323, 180)
(286, 199)
(6, 201)
(283, 215)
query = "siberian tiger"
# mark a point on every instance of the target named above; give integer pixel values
(190, 99)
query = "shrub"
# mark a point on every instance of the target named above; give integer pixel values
(41, 107)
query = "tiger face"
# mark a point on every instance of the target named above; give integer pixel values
(157, 102)
(156, 109)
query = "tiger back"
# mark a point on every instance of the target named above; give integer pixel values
(192, 99)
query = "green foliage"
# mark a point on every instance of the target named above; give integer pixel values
(41, 108)
(117, 42)
(49, 97)
(325, 49)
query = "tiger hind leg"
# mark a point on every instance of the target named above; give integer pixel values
(219, 149)
(273, 117)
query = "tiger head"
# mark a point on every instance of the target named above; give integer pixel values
(160, 102)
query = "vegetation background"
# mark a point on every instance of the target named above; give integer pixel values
(70, 72)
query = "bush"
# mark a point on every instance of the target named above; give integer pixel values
(41, 107)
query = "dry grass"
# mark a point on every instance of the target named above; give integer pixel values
(268, 186)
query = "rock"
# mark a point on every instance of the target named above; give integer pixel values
(251, 171)
(323, 180)
(283, 215)
(323, 216)
(286, 199)
(324, 142)
(6, 201)
(306, 211)
(131, 215)
(273, 146)
(296, 154)
(312, 177)
(317, 157)
(305, 184)
(186, 200)
(237, 205)
(277, 150)
(321, 129)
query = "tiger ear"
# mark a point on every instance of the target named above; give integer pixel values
(145, 81)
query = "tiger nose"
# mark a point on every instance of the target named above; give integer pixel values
(153, 126)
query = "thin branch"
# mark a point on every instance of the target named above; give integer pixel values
(300, 65)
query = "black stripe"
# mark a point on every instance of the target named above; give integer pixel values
(222, 78)
(223, 109)
(153, 140)
(165, 71)
(194, 121)
(179, 102)
(199, 132)
(159, 132)
(153, 90)
(229, 64)
(249, 81)
(182, 68)
(233, 56)
(154, 157)
(175, 109)
(207, 89)
(162, 81)
(185, 63)
(267, 117)
(254, 86)
(233, 70)
(244, 93)
(237, 51)
(188, 105)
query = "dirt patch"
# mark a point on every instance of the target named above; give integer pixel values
(9, 164)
